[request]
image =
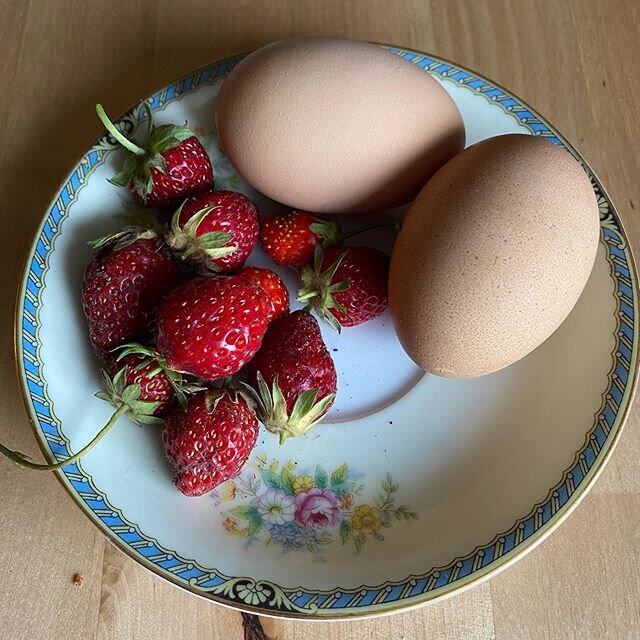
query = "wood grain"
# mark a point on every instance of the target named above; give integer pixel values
(575, 61)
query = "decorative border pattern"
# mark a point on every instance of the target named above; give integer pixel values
(263, 596)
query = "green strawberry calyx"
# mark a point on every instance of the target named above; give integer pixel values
(330, 232)
(141, 159)
(123, 238)
(272, 409)
(200, 250)
(119, 393)
(318, 290)
(214, 396)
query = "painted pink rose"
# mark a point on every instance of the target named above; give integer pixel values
(317, 509)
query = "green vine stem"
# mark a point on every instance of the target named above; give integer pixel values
(22, 460)
(111, 128)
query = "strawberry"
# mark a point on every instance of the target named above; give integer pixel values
(122, 288)
(215, 231)
(155, 385)
(210, 439)
(346, 285)
(171, 165)
(272, 284)
(293, 378)
(211, 327)
(139, 390)
(290, 239)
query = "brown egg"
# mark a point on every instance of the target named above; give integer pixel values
(492, 256)
(333, 126)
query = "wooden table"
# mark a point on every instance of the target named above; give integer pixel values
(572, 60)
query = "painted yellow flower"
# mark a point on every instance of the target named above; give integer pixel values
(227, 491)
(366, 519)
(230, 524)
(302, 484)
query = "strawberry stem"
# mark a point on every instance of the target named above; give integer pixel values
(22, 460)
(369, 227)
(150, 126)
(111, 128)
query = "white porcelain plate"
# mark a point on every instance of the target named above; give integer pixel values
(427, 485)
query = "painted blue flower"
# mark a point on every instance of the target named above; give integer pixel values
(308, 536)
(287, 535)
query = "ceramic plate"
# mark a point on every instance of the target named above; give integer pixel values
(427, 485)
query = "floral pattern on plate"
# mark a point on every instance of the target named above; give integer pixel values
(306, 511)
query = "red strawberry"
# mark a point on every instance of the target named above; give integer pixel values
(290, 239)
(272, 284)
(211, 327)
(122, 288)
(138, 390)
(171, 165)
(347, 286)
(215, 231)
(210, 440)
(293, 376)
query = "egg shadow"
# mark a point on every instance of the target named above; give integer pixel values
(519, 446)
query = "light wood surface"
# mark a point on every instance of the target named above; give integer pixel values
(576, 61)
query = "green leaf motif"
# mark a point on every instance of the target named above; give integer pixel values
(340, 489)
(345, 531)
(322, 479)
(359, 539)
(271, 479)
(286, 479)
(339, 475)
(245, 512)
(255, 524)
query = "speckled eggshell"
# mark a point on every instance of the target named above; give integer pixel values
(492, 256)
(335, 126)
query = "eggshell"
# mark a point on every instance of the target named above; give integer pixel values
(492, 256)
(335, 126)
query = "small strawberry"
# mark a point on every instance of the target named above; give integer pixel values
(214, 231)
(346, 285)
(171, 165)
(272, 284)
(211, 327)
(293, 378)
(210, 439)
(290, 239)
(155, 385)
(139, 390)
(159, 381)
(122, 288)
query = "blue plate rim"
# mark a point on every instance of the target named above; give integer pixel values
(266, 598)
